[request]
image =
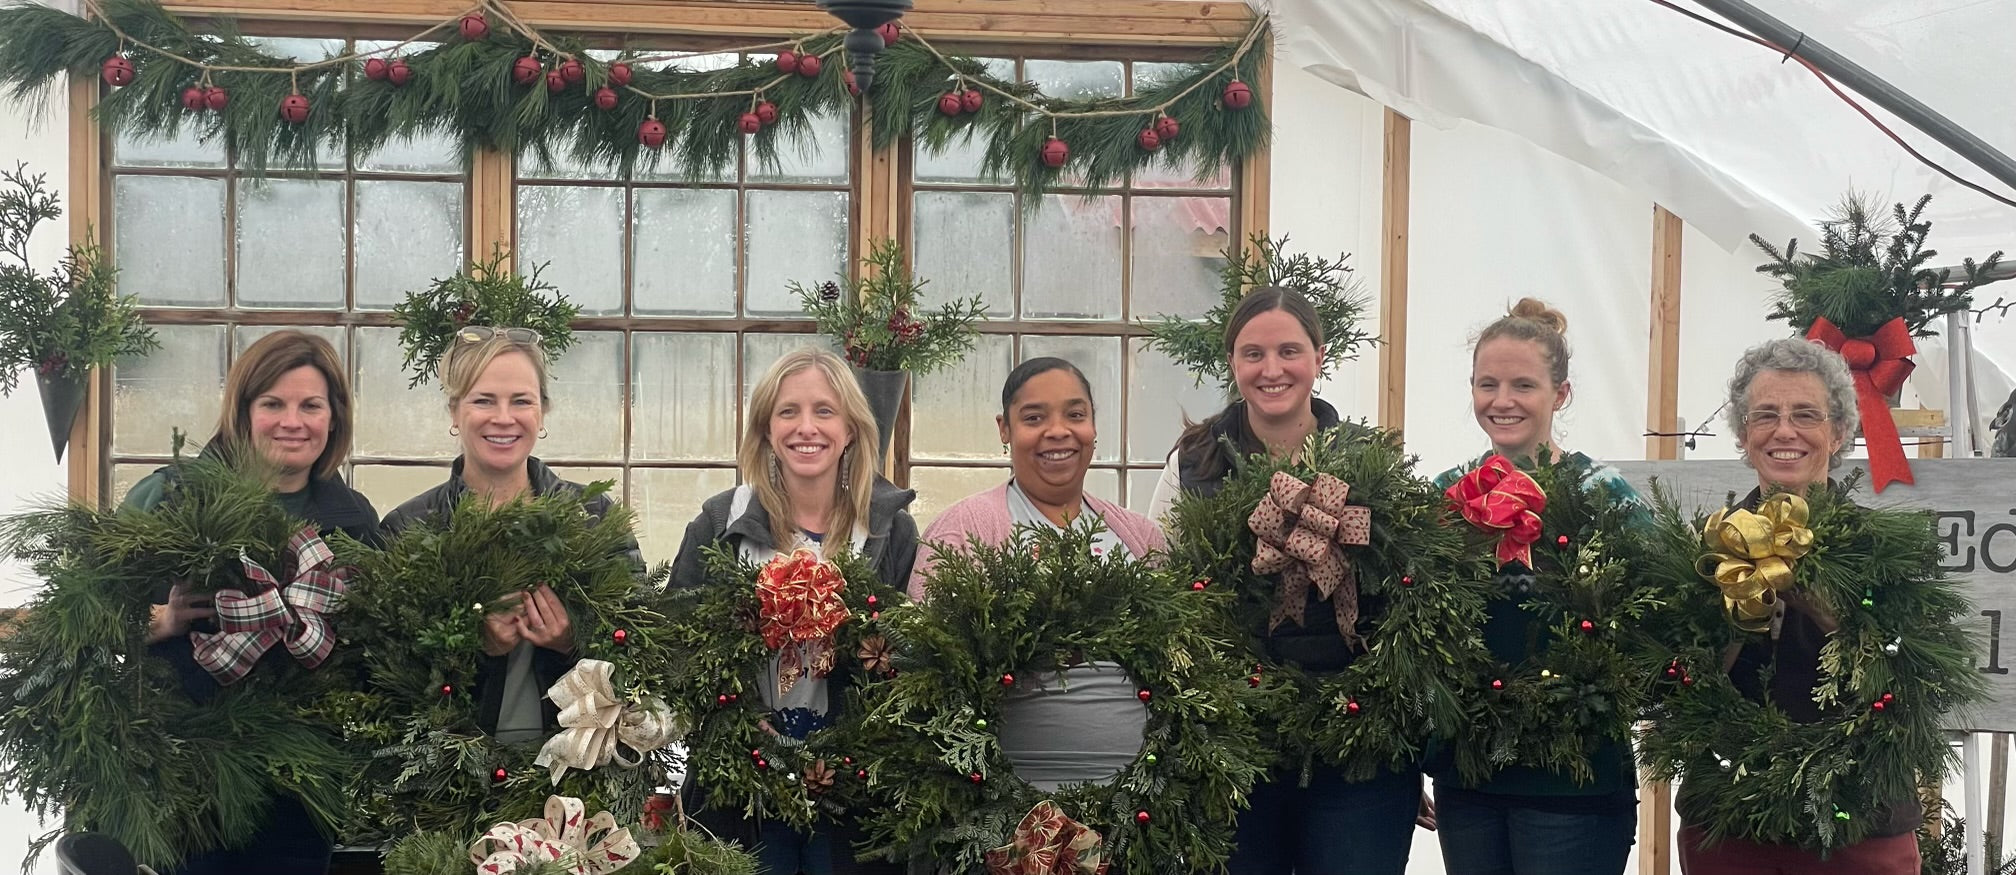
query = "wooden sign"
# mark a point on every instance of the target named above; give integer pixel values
(1973, 506)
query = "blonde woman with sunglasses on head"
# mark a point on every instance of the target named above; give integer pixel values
(496, 383)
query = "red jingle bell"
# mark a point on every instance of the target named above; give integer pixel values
(555, 82)
(787, 61)
(1167, 128)
(766, 112)
(749, 123)
(890, 33)
(651, 133)
(572, 71)
(619, 74)
(948, 104)
(116, 71)
(1007, 680)
(970, 100)
(1055, 152)
(1144, 695)
(810, 65)
(605, 98)
(294, 109)
(398, 73)
(473, 26)
(216, 99)
(374, 69)
(525, 70)
(192, 99)
(1148, 140)
(1238, 95)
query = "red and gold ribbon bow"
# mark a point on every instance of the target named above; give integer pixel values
(1750, 556)
(798, 609)
(1498, 497)
(1048, 843)
(1303, 529)
(1881, 363)
(250, 623)
(561, 837)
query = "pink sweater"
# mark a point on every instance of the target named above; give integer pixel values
(983, 517)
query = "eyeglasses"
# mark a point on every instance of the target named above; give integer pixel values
(1803, 419)
(480, 333)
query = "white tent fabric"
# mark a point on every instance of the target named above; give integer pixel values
(1715, 128)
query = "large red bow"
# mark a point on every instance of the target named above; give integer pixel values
(1881, 364)
(268, 612)
(1498, 497)
(798, 601)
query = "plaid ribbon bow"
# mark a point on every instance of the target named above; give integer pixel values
(1303, 529)
(273, 613)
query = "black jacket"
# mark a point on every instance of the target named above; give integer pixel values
(547, 665)
(892, 535)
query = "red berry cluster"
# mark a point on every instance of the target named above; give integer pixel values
(905, 327)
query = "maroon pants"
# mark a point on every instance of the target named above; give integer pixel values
(1891, 855)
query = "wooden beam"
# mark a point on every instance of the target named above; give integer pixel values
(87, 208)
(1394, 212)
(1256, 172)
(1655, 828)
(493, 204)
(1662, 352)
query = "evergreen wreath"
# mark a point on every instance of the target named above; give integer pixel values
(489, 294)
(494, 82)
(1340, 302)
(1421, 592)
(1870, 269)
(1041, 602)
(1591, 681)
(1898, 662)
(96, 726)
(672, 848)
(413, 619)
(719, 655)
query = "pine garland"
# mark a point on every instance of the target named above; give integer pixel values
(1898, 662)
(1587, 679)
(1037, 604)
(466, 89)
(97, 727)
(1421, 596)
(719, 657)
(413, 621)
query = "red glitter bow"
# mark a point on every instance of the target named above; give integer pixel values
(798, 603)
(1881, 363)
(1498, 497)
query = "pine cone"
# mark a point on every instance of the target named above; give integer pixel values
(829, 291)
(874, 654)
(818, 777)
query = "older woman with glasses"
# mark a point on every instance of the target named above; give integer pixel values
(496, 383)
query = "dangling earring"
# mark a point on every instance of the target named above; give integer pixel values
(846, 456)
(1004, 448)
(454, 431)
(776, 471)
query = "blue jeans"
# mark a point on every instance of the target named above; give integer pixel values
(1331, 827)
(782, 850)
(1483, 839)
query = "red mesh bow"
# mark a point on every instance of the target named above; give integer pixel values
(1498, 497)
(1881, 364)
(291, 614)
(1048, 843)
(1303, 529)
(798, 603)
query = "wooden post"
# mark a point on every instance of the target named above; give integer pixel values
(493, 204)
(1393, 271)
(1998, 797)
(1662, 414)
(1255, 173)
(87, 207)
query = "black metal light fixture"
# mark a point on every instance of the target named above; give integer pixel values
(864, 42)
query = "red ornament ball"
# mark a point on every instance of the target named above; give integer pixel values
(1686, 680)
(116, 71)
(1497, 684)
(734, 697)
(1144, 695)
(766, 112)
(620, 636)
(398, 73)
(1889, 698)
(192, 99)
(762, 764)
(1588, 627)
(976, 777)
(294, 109)
(572, 71)
(447, 689)
(1140, 817)
(1351, 707)
(1198, 585)
(873, 601)
(1148, 140)
(525, 70)
(874, 615)
(853, 87)
(861, 773)
(1055, 152)
(749, 123)
(1238, 95)
(555, 82)
(651, 133)
(970, 100)
(949, 104)
(374, 69)
(810, 65)
(787, 61)
(473, 26)
(721, 700)
(1007, 680)
(499, 776)
(1406, 580)
(1879, 705)
(756, 753)
(605, 98)
(1167, 128)
(890, 33)
(1253, 681)
(619, 74)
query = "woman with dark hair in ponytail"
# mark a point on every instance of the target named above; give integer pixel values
(1274, 341)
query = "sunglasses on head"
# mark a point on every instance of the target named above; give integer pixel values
(480, 333)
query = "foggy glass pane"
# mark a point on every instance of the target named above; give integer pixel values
(1071, 259)
(965, 245)
(961, 159)
(819, 156)
(940, 488)
(682, 388)
(178, 386)
(168, 239)
(1178, 250)
(408, 235)
(1141, 489)
(577, 233)
(1099, 358)
(590, 475)
(244, 336)
(666, 500)
(792, 235)
(1160, 394)
(586, 384)
(428, 152)
(388, 486)
(290, 243)
(1078, 79)
(394, 422)
(760, 351)
(683, 241)
(180, 150)
(953, 410)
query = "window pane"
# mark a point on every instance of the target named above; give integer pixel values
(169, 239)
(124, 477)
(953, 410)
(388, 486)
(178, 386)
(960, 162)
(586, 422)
(667, 499)
(682, 389)
(760, 351)
(1178, 250)
(591, 475)
(1141, 488)
(1071, 259)
(940, 488)
(428, 152)
(684, 244)
(1103, 483)
(245, 335)
(290, 243)
(819, 156)
(180, 150)
(1079, 79)
(1099, 358)
(394, 422)
(793, 235)
(563, 165)
(1160, 395)
(408, 234)
(965, 245)
(577, 233)
(1162, 174)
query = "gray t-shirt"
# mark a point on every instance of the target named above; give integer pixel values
(1083, 724)
(520, 718)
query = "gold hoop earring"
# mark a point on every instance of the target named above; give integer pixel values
(542, 434)
(454, 431)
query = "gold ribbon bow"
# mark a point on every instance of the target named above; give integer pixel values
(562, 838)
(1303, 529)
(1048, 843)
(1750, 556)
(594, 721)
